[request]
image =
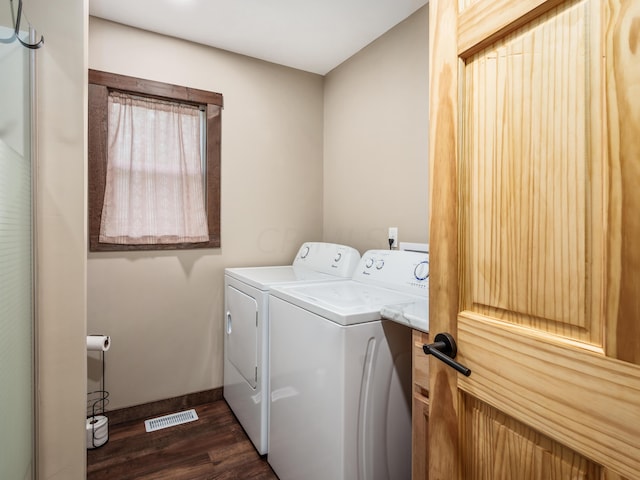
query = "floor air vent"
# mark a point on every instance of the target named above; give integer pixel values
(170, 420)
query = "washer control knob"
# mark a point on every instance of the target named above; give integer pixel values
(304, 252)
(380, 264)
(369, 263)
(421, 271)
(338, 257)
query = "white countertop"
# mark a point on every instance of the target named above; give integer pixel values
(414, 315)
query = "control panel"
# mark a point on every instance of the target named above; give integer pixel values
(332, 258)
(395, 269)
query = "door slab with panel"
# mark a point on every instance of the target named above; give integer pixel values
(535, 168)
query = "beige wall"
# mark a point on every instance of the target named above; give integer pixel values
(61, 237)
(353, 143)
(164, 310)
(375, 140)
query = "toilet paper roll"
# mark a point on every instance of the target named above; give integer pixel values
(97, 431)
(98, 342)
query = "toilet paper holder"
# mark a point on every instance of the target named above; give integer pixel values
(97, 400)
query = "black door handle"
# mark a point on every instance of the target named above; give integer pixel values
(444, 348)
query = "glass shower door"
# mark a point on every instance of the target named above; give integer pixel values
(16, 258)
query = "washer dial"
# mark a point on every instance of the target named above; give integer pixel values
(421, 272)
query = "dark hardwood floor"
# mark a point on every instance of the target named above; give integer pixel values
(213, 447)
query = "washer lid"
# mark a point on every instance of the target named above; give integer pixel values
(263, 278)
(345, 303)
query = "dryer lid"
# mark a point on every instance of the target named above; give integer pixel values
(263, 278)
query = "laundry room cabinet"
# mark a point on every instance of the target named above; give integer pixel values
(420, 411)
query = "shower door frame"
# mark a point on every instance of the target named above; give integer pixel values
(27, 73)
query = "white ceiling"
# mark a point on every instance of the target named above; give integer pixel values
(310, 35)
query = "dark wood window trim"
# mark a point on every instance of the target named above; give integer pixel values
(100, 83)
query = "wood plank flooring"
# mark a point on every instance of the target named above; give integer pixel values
(213, 447)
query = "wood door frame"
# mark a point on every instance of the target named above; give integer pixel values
(443, 228)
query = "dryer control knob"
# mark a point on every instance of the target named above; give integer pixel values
(369, 263)
(338, 257)
(380, 264)
(304, 252)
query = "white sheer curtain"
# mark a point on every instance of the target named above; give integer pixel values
(154, 188)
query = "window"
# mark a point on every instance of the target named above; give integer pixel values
(102, 87)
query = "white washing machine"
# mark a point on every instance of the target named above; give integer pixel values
(246, 356)
(340, 403)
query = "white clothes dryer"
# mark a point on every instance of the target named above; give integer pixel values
(340, 402)
(246, 356)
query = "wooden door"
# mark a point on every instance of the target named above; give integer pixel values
(535, 238)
